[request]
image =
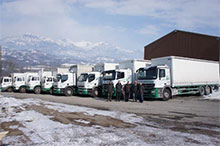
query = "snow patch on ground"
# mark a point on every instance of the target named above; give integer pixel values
(213, 96)
(41, 130)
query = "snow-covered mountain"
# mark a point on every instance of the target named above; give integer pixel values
(30, 49)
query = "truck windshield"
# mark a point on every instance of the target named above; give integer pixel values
(147, 74)
(109, 75)
(83, 77)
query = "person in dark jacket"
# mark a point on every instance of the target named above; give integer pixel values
(127, 91)
(141, 92)
(134, 91)
(110, 90)
(118, 91)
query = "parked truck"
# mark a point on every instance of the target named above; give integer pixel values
(172, 75)
(126, 72)
(18, 82)
(90, 83)
(47, 84)
(6, 84)
(66, 83)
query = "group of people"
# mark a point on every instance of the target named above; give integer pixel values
(134, 91)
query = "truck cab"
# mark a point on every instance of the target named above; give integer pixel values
(154, 79)
(6, 84)
(47, 84)
(89, 83)
(33, 84)
(122, 75)
(65, 84)
(18, 83)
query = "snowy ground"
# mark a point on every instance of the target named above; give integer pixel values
(36, 122)
(213, 96)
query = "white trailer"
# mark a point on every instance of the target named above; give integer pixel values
(100, 67)
(126, 72)
(67, 82)
(90, 83)
(6, 84)
(172, 75)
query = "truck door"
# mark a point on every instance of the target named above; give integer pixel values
(162, 78)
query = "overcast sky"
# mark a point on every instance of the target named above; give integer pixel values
(130, 24)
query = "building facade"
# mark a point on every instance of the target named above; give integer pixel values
(184, 44)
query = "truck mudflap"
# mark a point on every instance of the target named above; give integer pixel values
(153, 93)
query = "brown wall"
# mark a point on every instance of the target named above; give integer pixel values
(185, 44)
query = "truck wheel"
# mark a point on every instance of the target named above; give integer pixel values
(95, 92)
(68, 92)
(37, 90)
(201, 91)
(51, 91)
(9, 89)
(166, 94)
(207, 90)
(215, 88)
(22, 90)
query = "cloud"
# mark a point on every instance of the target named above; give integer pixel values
(149, 30)
(183, 14)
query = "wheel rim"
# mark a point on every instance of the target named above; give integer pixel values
(37, 90)
(207, 90)
(166, 94)
(22, 90)
(202, 91)
(69, 92)
(96, 92)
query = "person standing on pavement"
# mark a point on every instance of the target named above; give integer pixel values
(110, 90)
(141, 92)
(134, 91)
(127, 91)
(118, 91)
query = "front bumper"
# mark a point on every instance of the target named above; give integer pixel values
(153, 93)
(83, 91)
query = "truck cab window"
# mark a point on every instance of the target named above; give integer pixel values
(162, 73)
(19, 79)
(64, 78)
(91, 77)
(120, 75)
(6, 80)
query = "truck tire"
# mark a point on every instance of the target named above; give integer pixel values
(95, 92)
(22, 90)
(37, 90)
(9, 89)
(216, 88)
(51, 91)
(68, 92)
(201, 91)
(166, 94)
(208, 90)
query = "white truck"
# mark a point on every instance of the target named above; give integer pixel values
(90, 83)
(6, 84)
(126, 72)
(18, 82)
(67, 82)
(46, 81)
(32, 82)
(47, 84)
(172, 75)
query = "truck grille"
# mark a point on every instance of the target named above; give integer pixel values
(149, 86)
